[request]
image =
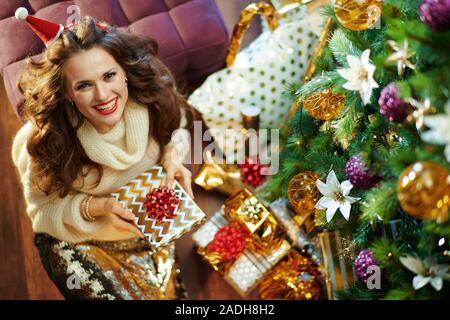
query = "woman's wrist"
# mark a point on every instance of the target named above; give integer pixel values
(85, 208)
(171, 156)
(92, 207)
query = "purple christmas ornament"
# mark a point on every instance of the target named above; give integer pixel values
(364, 260)
(435, 14)
(359, 175)
(391, 106)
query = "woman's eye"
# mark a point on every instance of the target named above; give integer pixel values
(110, 75)
(82, 86)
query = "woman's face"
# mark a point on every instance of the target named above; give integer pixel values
(96, 83)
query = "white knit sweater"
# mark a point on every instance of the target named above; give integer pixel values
(124, 152)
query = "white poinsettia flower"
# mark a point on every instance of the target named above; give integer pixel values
(335, 196)
(428, 271)
(359, 75)
(439, 132)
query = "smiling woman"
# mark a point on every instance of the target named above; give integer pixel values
(100, 109)
(96, 84)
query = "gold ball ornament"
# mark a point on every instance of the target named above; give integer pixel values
(423, 190)
(324, 105)
(303, 193)
(358, 15)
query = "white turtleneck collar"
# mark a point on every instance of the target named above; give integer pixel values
(124, 145)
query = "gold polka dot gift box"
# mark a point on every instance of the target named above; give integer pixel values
(159, 232)
(264, 246)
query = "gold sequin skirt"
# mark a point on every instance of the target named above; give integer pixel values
(129, 269)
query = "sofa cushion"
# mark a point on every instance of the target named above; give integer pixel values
(139, 9)
(198, 31)
(56, 12)
(107, 10)
(39, 4)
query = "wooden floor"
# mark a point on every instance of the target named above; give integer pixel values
(21, 273)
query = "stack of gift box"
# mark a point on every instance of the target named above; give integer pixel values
(249, 247)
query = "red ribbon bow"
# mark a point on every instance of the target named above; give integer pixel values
(161, 202)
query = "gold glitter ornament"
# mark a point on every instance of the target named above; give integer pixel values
(303, 193)
(358, 15)
(324, 105)
(423, 190)
(294, 278)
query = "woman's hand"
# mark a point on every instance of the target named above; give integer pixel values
(176, 170)
(110, 208)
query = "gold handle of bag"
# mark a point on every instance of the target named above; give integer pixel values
(321, 44)
(243, 24)
(311, 69)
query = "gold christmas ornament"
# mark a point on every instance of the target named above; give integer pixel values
(324, 105)
(400, 56)
(421, 109)
(392, 138)
(303, 193)
(346, 249)
(423, 190)
(294, 278)
(358, 15)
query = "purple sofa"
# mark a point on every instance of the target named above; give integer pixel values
(192, 35)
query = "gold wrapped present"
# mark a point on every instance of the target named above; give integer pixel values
(245, 271)
(245, 208)
(159, 232)
(296, 277)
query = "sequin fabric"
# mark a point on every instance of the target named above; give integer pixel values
(111, 270)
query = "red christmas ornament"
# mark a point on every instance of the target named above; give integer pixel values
(161, 202)
(252, 172)
(229, 241)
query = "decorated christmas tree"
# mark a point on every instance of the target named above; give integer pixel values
(366, 153)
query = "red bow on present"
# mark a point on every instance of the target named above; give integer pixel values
(161, 202)
(229, 241)
(253, 173)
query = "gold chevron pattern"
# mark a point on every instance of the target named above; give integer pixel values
(159, 233)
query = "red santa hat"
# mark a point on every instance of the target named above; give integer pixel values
(46, 30)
